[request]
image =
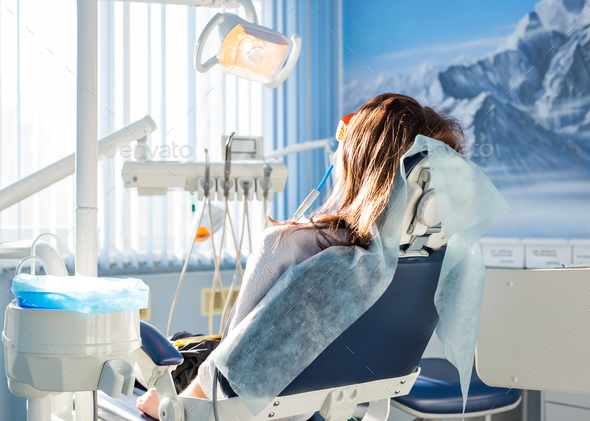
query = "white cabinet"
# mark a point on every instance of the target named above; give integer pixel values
(558, 412)
(565, 406)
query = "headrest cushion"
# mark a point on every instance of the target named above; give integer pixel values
(427, 210)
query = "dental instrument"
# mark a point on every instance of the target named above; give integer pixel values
(265, 184)
(227, 170)
(239, 272)
(313, 195)
(207, 185)
(332, 144)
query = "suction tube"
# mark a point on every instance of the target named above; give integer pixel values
(313, 195)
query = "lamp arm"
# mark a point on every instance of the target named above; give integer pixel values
(251, 15)
(291, 62)
(198, 53)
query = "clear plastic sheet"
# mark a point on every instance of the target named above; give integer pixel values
(79, 293)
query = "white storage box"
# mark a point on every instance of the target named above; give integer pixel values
(580, 251)
(502, 252)
(543, 253)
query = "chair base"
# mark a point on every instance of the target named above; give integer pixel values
(377, 393)
(425, 416)
(309, 402)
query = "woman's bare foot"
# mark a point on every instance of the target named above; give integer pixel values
(149, 403)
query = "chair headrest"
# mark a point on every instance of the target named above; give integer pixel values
(421, 227)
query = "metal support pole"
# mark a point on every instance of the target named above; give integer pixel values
(524, 406)
(39, 409)
(86, 161)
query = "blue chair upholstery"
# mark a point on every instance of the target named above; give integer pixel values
(157, 347)
(400, 322)
(388, 340)
(437, 391)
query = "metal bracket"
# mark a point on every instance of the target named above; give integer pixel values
(417, 243)
(415, 248)
(171, 408)
(340, 404)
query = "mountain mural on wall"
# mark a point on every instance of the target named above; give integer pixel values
(530, 100)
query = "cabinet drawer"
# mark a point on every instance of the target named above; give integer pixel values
(557, 412)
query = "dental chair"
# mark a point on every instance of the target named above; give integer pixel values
(375, 359)
(437, 395)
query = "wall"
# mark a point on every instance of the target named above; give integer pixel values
(517, 76)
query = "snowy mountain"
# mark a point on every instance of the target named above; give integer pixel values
(530, 100)
(417, 84)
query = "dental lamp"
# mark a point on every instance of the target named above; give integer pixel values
(248, 50)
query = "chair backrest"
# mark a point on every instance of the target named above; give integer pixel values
(389, 339)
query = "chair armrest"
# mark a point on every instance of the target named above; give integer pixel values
(157, 347)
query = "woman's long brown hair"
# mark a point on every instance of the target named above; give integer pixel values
(374, 141)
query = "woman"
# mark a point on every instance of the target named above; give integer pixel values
(365, 165)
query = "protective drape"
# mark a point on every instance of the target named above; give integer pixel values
(316, 299)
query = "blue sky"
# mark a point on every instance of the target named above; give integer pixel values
(399, 35)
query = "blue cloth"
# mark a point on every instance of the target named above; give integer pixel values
(79, 293)
(315, 300)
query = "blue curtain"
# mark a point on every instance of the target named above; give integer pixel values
(308, 105)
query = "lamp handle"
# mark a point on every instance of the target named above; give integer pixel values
(251, 15)
(291, 62)
(217, 19)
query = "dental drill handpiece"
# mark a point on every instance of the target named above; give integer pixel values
(227, 170)
(266, 181)
(207, 174)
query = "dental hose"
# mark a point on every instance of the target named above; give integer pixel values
(312, 196)
(226, 217)
(185, 266)
(217, 264)
(239, 270)
(265, 215)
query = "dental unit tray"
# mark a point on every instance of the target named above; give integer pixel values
(156, 177)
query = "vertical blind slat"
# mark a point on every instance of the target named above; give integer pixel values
(145, 69)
